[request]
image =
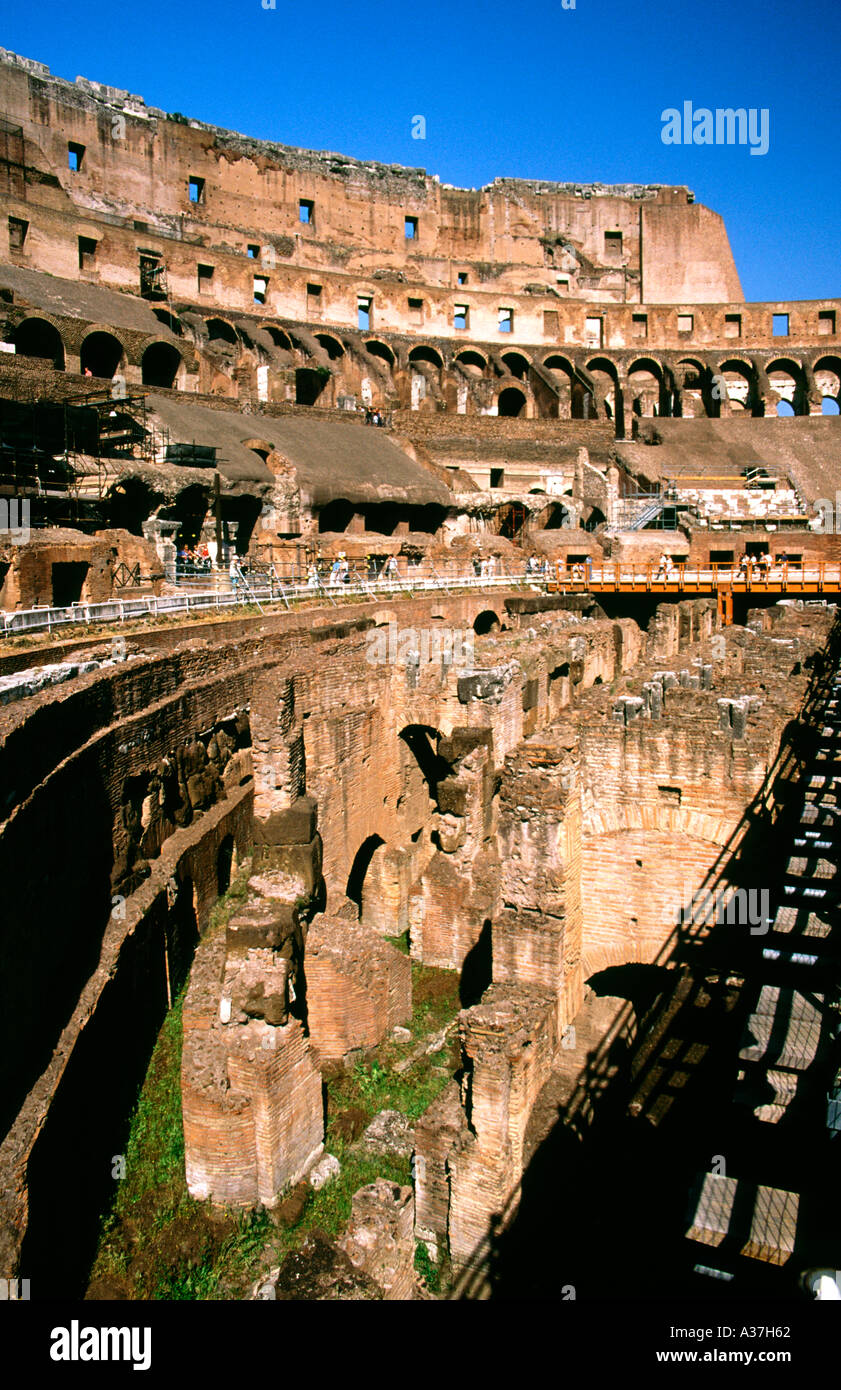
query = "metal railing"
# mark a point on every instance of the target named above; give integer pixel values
(785, 577)
(247, 594)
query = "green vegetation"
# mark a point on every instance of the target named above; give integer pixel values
(430, 1273)
(158, 1243)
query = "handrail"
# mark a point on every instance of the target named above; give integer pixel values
(812, 576)
(185, 601)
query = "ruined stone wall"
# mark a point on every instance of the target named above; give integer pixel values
(358, 988)
(81, 1090)
(536, 776)
(668, 772)
(541, 248)
(251, 1095)
(31, 579)
(137, 161)
(607, 823)
(509, 1041)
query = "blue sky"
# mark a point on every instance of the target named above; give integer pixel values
(530, 90)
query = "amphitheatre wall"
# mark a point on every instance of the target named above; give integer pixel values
(500, 804)
(626, 299)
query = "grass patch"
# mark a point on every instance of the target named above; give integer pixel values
(429, 1271)
(329, 1209)
(158, 1243)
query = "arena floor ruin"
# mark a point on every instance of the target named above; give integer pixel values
(420, 704)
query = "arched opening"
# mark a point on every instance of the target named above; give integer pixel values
(646, 388)
(309, 384)
(189, 510)
(38, 338)
(569, 391)
(510, 520)
(517, 364)
(422, 741)
(486, 621)
(331, 346)
(101, 355)
(692, 389)
(224, 864)
(277, 335)
(426, 354)
(381, 518)
(261, 447)
(477, 969)
(218, 331)
(159, 365)
(785, 410)
(511, 403)
(555, 518)
(377, 349)
(239, 516)
(469, 358)
(129, 503)
(608, 397)
(738, 380)
(828, 381)
(172, 323)
(359, 867)
(336, 516)
(785, 378)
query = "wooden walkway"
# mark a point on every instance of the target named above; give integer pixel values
(725, 581)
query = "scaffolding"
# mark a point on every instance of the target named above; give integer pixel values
(66, 456)
(153, 281)
(102, 432)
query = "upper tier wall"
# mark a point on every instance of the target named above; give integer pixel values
(539, 241)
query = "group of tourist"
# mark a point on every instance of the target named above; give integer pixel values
(755, 565)
(194, 559)
(343, 572)
(665, 567)
(374, 417)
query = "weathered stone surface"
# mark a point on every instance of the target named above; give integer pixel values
(379, 1239)
(324, 1171)
(318, 1270)
(390, 1132)
(358, 987)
